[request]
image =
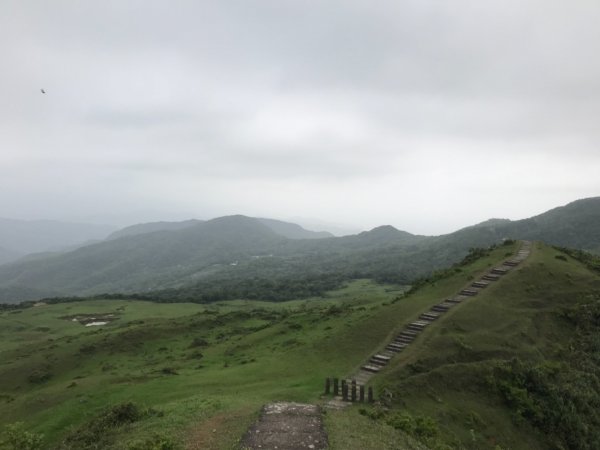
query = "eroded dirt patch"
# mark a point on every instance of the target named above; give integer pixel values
(287, 426)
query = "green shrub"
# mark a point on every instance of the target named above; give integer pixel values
(40, 375)
(97, 433)
(17, 438)
(418, 426)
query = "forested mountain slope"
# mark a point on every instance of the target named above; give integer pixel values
(238, 256)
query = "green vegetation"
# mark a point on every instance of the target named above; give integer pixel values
(16, 437)
(352, 429)
(182, 370)
(516, 367)
(237, 256)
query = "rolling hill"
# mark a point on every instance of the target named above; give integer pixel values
(8, 255)
(514, 367)
(151, 227)
(238, 256)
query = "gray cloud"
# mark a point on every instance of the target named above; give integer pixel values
(359, 112)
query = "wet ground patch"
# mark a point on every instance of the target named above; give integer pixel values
(94, 319)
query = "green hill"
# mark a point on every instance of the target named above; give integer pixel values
(292, 230)
(576, 225)
(8, 255)
(516, 367)
(237, 256)
(151, 227)
(224, 255)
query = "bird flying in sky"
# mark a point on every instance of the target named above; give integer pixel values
(43, 91)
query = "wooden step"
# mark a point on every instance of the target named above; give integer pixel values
(412, 333)
(371, 368)
(403, 340)
(377, 362)
(431, 316)
(418, 325)
(454, 300)
(469, 292)
(442, 307)
(511, 263)
(480, 284)
(407, 337)
(491, 277)
(381, 357)
(396, 347)
(499, 271)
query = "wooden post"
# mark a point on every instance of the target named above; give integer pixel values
(344, 390)
(370, 395)
(353, 391)
(361, 393)
(336, 387)
(327, 386)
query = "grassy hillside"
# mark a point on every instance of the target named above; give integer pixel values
(192, 369)
(199, 368)
(516, 367)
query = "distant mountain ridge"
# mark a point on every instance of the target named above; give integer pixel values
(242, 251)
(151, 227)
(286, 229)
(7, 255)
(21, 237)
(293, 231)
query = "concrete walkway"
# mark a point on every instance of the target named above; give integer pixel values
(287, 426)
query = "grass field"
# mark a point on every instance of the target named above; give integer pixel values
(200, 366)
(205, 370)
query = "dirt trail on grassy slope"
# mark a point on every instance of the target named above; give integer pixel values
(287, 426)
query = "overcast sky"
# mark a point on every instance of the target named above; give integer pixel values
(426, 115)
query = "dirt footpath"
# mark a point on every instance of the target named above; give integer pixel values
(287, 426)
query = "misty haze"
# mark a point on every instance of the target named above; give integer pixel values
(282, 225)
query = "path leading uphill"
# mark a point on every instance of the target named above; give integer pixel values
(287, 426)
(297, 426)
(411, 332)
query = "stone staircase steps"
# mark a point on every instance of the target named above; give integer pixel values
(491, 277)
(469, 292)
(411, 332)
(371, 368)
